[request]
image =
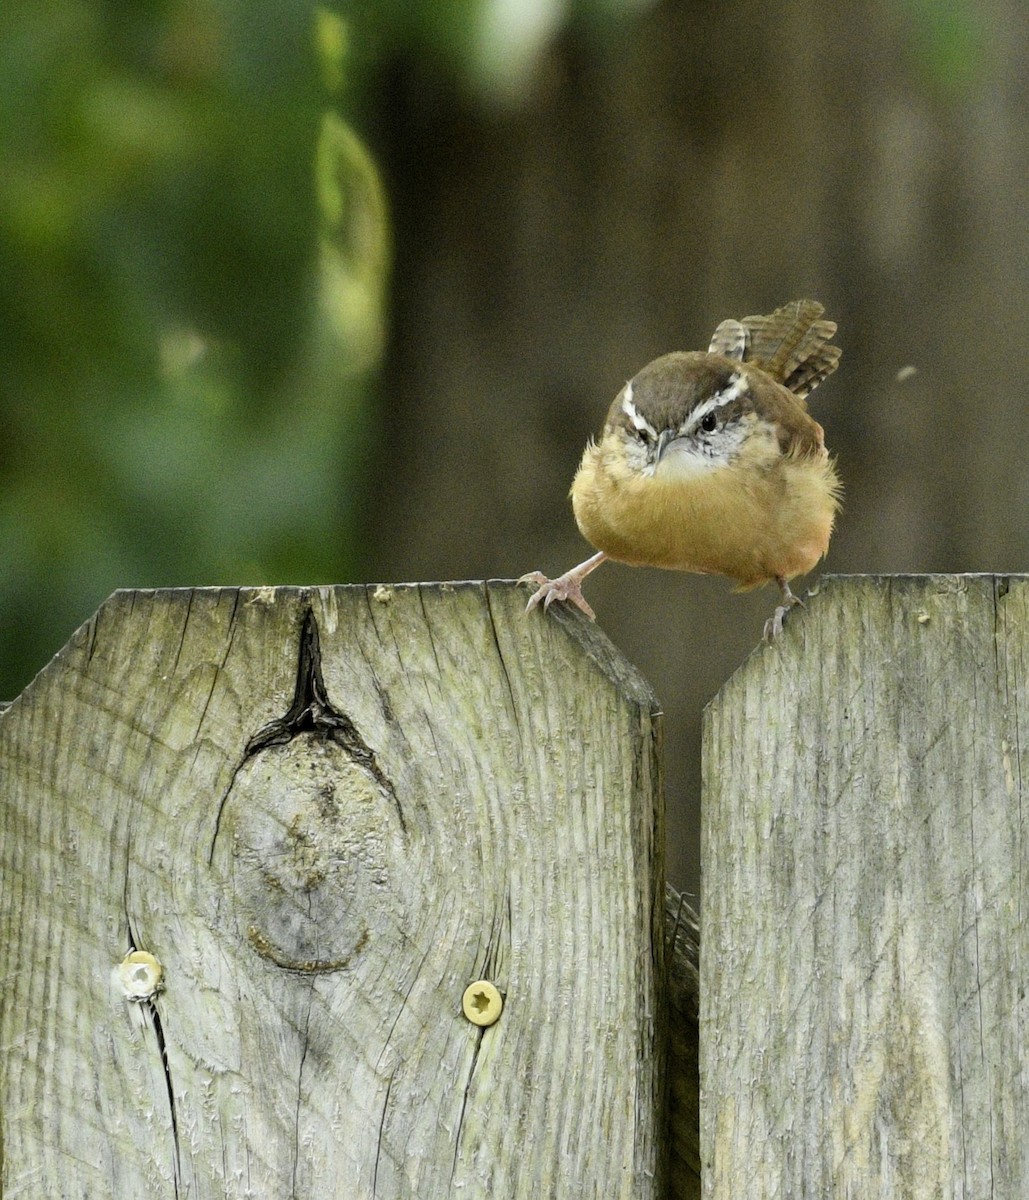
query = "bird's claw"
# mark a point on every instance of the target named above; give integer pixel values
(565, 587)
(773, 626)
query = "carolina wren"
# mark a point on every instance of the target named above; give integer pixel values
(709, 462)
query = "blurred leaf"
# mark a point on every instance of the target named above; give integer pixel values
(331, 40)
(354, 252)
(193, 260)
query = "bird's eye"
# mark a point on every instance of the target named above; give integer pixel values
(709, 422)
(644, 435)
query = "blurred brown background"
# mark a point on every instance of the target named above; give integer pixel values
(212, 374)
(711, 161)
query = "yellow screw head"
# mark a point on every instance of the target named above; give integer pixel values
(482, 1003)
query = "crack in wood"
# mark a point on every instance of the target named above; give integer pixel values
(162, 1047)
(149, 1007)
(464, 1103)
(382, 1132)
(300, 1095)
(311, 711)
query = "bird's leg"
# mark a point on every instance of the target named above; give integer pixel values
(566, 587)
(773, 626)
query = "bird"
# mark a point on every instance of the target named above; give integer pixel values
(709, 462)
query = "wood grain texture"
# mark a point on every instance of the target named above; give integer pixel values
(865, 1029)
(322, 857)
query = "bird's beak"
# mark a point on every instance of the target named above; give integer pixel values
(664, 440)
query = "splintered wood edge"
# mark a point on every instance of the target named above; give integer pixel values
(591, 639)
(824, 584)
(597, 646)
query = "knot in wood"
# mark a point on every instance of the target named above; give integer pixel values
(312, 845)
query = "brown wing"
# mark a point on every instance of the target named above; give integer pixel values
(792, 345)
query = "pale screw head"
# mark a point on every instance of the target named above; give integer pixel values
(482, 1003)
(141, 975)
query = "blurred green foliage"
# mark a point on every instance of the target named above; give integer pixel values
(193, 262)
(948, 40)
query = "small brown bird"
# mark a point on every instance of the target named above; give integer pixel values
(709, 462)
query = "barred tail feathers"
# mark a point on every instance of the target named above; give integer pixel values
(792, 345)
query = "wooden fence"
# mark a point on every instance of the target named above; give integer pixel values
(864, 1021)
(257, 845)
(352, 892)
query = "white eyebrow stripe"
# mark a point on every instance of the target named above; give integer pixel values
(700, 412)
(737, 386)
(629, 409)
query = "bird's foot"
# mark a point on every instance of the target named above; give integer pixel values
(773, 626)
(566, 587)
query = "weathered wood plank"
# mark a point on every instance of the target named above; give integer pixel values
(865, 1028)
(323, 847)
